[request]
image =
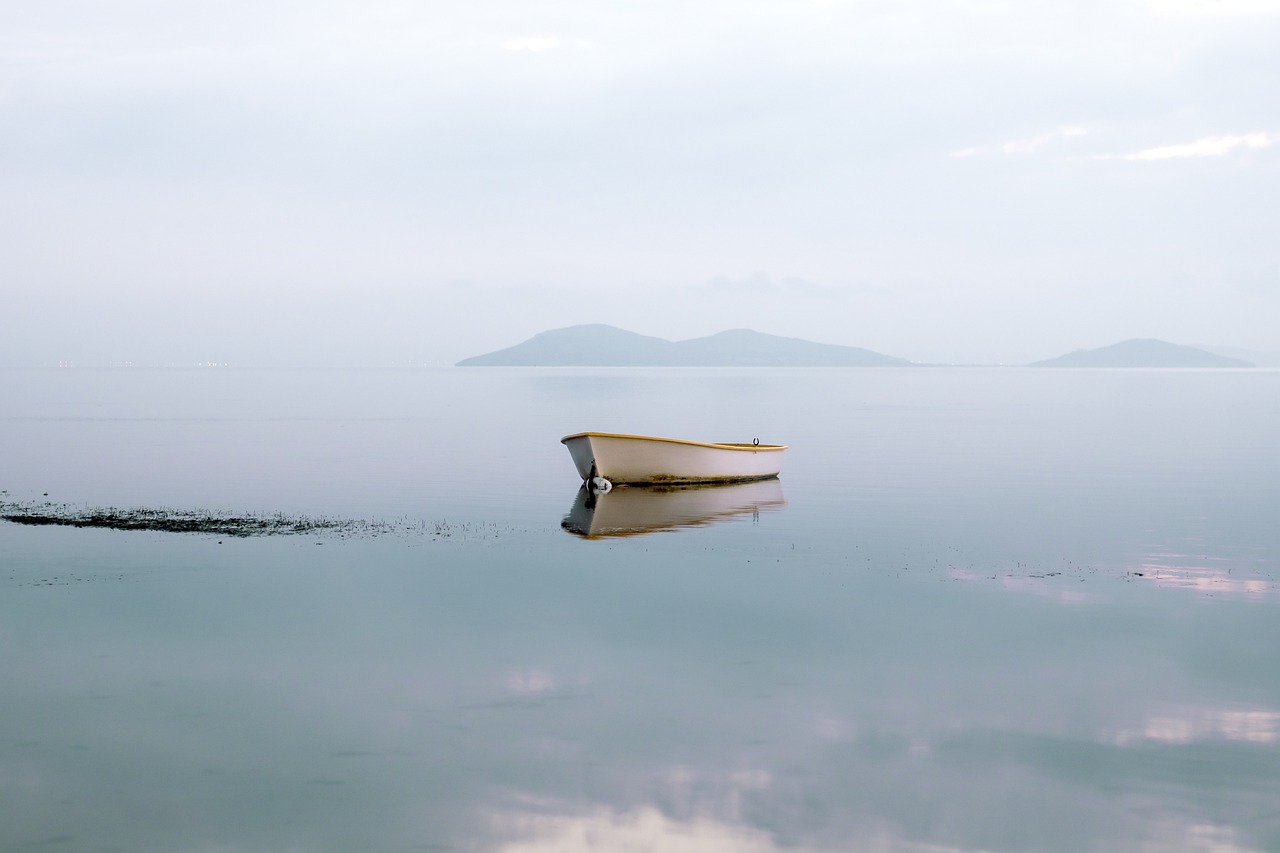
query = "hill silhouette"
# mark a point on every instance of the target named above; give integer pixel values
(599, 345)
(1142, 352)
(1259, 358)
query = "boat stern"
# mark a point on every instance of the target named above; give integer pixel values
(583, 456)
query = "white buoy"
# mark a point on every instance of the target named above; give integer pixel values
(600, 484)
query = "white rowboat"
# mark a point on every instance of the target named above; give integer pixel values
(642, 459)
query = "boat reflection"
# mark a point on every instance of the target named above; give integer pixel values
(636, 510)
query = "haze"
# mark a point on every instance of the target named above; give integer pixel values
(415, 183)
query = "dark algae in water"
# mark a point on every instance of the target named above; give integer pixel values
(240, 524)
(182, 521)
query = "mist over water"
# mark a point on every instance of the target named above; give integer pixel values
(981, 610)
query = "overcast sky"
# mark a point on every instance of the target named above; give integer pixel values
(286, 182)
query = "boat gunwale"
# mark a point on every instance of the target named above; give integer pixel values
(733, 446)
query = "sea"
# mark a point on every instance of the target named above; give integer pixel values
(982, 609)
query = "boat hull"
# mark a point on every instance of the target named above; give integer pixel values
(645, 460)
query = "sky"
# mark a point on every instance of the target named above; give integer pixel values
(385, 182)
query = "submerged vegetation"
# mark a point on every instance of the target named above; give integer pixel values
(181, 521)
(221, 523)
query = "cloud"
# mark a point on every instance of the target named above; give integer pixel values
(542, 44)
(1209, 146)
(761, 284)
(534, 44)
(1214, 8)
(1025, 145)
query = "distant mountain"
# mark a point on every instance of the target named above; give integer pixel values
(579, 346)
(1260, 359)
(1142, 352)
(743, 347)
(607, 346)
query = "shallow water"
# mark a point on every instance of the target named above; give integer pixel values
(984, 610)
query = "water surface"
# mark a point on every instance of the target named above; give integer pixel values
(986, 610)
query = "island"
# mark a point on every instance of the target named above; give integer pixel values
(1143, 352)
(599, 345)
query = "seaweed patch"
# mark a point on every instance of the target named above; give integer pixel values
(187, 521)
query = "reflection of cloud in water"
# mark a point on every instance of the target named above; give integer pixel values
(648, 829)
(1214, 576)
(1180, 572)
(1036, 586)
(1250, 726)
(1197, 838)
(833, 728)
(530, 681)
(643, 829)
(1045, 584)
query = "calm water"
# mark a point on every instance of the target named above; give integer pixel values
(1000, 610)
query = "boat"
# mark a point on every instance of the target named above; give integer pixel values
(605, 459)
(638, 510)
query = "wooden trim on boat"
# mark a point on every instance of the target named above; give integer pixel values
(724, 446)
